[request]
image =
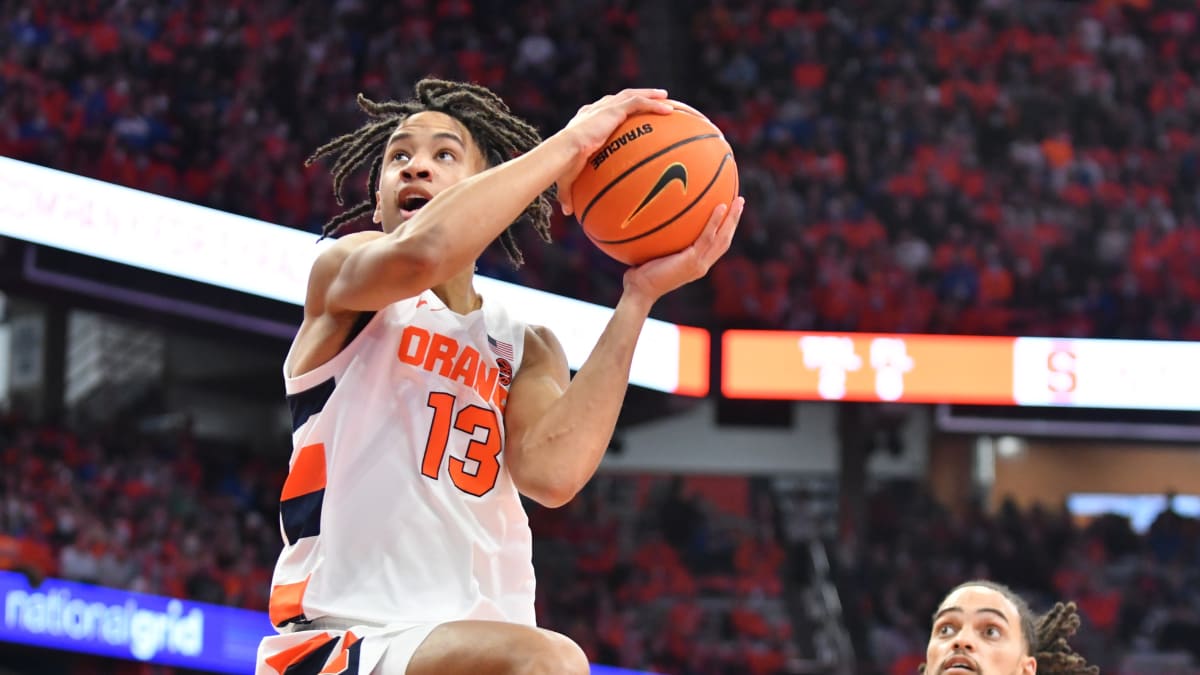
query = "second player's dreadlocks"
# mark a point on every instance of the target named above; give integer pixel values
(1046, 635)
(499, 133)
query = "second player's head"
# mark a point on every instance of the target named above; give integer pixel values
(417, 148)
(985, 628)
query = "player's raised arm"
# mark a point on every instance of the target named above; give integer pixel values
(558, 429)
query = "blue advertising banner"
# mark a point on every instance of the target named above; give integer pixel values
(76, 617)
(81, 618)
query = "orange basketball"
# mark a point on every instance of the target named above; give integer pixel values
(650, 190)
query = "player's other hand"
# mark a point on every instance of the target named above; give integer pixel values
(659, 276)
(595, 122)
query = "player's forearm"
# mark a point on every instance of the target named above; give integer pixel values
(456, 226)
(565, 448)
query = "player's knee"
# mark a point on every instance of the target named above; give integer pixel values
(556, 655)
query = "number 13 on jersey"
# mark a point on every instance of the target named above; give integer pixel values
(468, 420)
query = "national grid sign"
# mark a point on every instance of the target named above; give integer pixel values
(75, 617)
(79, 617)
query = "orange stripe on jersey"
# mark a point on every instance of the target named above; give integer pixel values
(307, 474)
(286, 600)
(693, 361)
(339, 662)
(287, 657)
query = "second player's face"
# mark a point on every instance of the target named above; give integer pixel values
(428, 152)
(977, 630)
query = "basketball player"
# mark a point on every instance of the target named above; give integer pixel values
(421, 409)
(985, 628)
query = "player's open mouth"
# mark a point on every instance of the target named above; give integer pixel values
(410, 202)
(414, 203)
(958, 664)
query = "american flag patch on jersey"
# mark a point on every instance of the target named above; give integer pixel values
(502, 348)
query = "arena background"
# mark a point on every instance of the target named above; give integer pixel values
(789, 502)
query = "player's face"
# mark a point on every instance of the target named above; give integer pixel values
(428, 152)
(977, 630)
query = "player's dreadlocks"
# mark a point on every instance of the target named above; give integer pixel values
(499, 134)
(1046, 635)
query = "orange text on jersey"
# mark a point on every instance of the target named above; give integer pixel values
(443, 355)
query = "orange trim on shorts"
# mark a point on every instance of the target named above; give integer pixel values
(694, 345)
(287, 657)
(341, 661)
(286, 602)
(307, 474)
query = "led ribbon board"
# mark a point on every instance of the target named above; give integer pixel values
(131, 227)
(958, 369)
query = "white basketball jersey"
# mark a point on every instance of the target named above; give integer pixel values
(398, 507)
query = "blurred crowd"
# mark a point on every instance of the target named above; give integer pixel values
(979, 166)
(669, 574)
(149, 513)
(994, 166)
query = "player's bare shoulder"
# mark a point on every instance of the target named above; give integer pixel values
(544, 352)
(323, 332)
(542, 345)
